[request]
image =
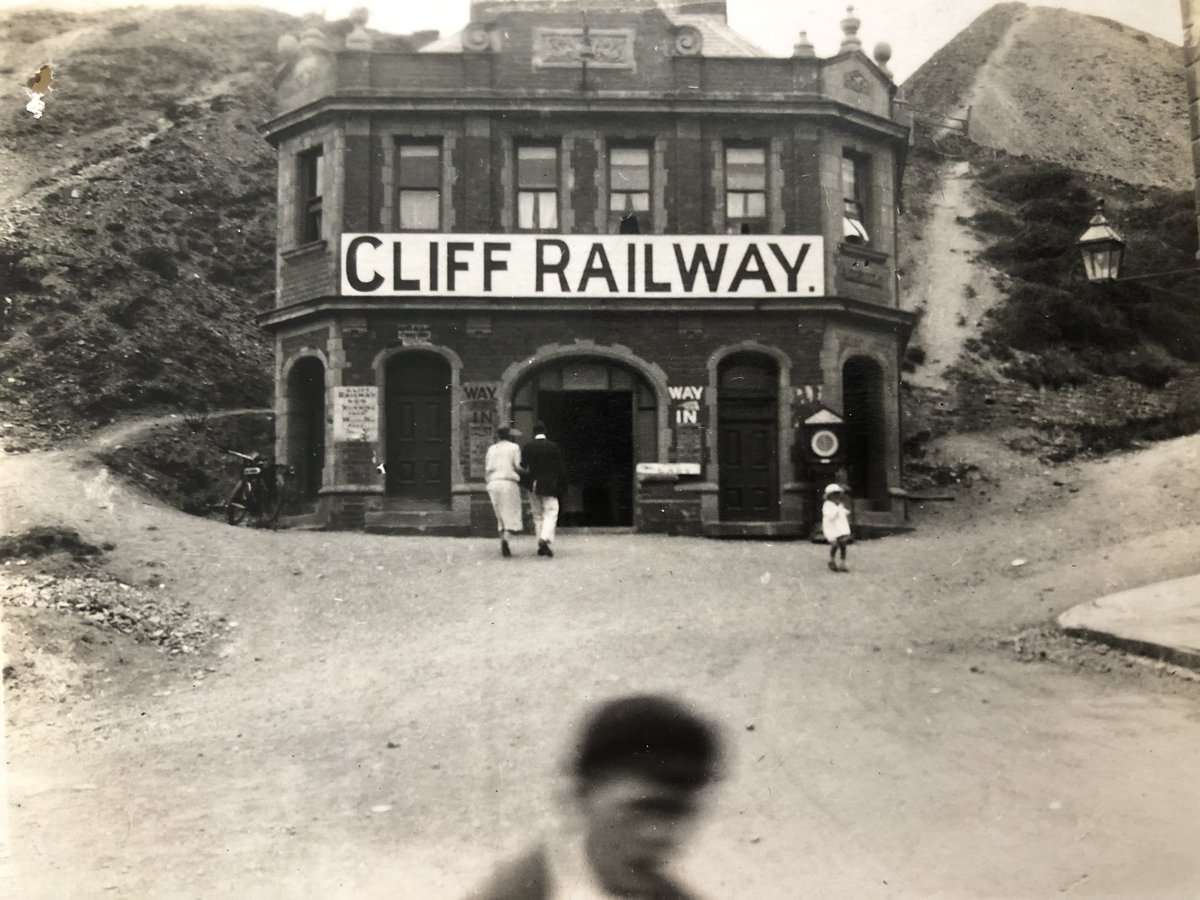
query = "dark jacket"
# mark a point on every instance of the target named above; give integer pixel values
(528, 878)
(547, 469)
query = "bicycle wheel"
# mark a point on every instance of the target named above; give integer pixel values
(235, 509)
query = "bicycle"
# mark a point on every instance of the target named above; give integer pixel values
(258, 493)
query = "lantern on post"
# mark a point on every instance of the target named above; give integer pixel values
(1102, 248)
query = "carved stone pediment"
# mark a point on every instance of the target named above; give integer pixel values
(605, 48)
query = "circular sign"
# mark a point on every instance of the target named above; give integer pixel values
(824, 443)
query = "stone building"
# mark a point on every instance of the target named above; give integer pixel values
(629, 223)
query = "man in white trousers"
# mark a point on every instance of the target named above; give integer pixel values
(546, 480)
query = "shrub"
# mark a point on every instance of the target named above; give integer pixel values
(158, 260)
(1054, 369)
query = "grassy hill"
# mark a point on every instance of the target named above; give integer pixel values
(137, 231)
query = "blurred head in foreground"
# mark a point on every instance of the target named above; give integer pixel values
(639, 767)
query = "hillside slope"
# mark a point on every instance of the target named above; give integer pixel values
(137, 216)
(1064, 87)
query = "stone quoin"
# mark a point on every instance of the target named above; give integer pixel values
(623, 220)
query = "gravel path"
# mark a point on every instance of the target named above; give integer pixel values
(383, 716)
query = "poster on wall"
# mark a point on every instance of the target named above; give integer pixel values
(356, 413)
(689, 444)
(479, 411)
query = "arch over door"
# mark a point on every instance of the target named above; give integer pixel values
(604, 416)
(417, 413)
(866, 438)
(306, 425)
(748, 438)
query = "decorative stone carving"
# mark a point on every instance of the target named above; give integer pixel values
(857, 81)
(476, 38)
(688, 41)
(606, 48)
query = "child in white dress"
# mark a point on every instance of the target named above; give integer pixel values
(835, 524)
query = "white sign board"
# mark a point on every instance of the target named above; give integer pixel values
(586, 266)
(676, 468)
(356, 413)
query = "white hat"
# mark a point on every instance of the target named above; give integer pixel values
(833, 489)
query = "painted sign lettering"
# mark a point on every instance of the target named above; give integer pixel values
(590, 266)
(356, 413)
(685, 403)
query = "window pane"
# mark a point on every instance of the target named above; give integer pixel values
(629, 169)
(525, 207)
(311, 170)
(547, 210)
(745, 168)
(420, 166)
(849, 179)
(419, 210)
(629, 201)
(537, 167)
(735, 206)
(756, 205)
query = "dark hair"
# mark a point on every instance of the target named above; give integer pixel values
(503, 432)
(539, 428)
(648, 735)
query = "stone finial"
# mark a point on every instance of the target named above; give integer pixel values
(287, 47)
(883, 54)
(313, 35)
(804, 48)
(850, 26)
(358, 38)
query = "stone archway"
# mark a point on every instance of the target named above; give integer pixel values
(604, 415)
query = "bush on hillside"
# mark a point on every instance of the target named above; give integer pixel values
(1038, 212)
(185, 464)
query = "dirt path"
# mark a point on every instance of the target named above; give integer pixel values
(388, 713)
(953, 288)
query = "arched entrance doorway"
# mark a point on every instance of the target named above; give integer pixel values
(866, 438)
(604, 416)
(306, 425)
(748, 438)
(417, 416)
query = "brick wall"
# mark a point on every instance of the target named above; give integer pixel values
(478, 194)
(656, 338)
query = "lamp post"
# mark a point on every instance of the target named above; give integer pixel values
(1103, 251)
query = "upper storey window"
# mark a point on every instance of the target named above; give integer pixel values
(311, 177)
(745, 190)
(419, 187)
(537, 187)
(855, 182)
(629, 189)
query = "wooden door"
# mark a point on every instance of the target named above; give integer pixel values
(749, 469)
(417, 410)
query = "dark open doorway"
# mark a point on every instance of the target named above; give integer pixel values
(862, 400)
(595, 431)
(306, 425)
